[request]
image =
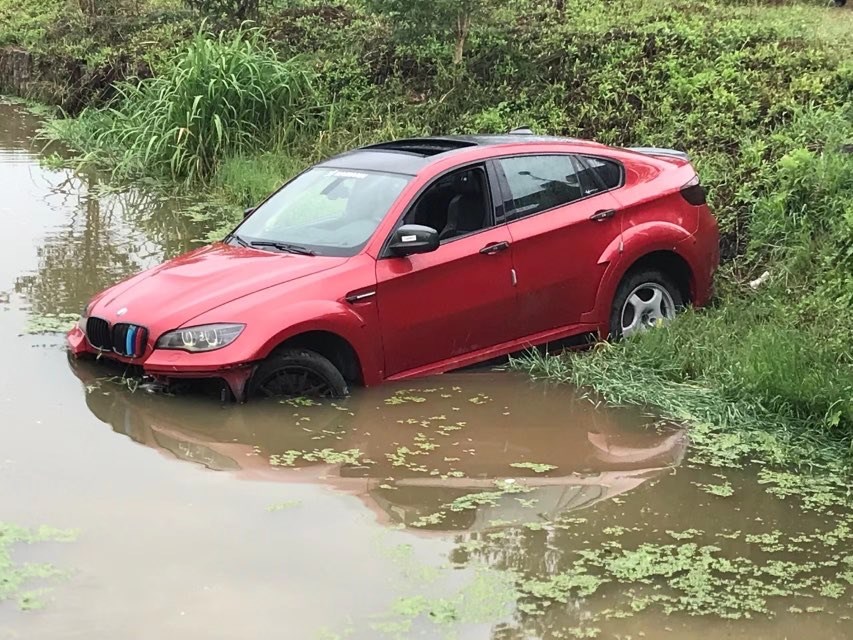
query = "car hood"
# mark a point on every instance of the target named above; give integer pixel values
(173, 293)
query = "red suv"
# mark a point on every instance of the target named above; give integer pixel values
(419, 256)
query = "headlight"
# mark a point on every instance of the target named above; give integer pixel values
(206, 337)
(84, 316)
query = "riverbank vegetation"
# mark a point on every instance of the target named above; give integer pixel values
(758, 93)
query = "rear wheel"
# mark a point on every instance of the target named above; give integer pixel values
(645, 298)
(289, 373)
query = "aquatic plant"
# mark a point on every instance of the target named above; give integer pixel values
(538, 467)
(15, 577)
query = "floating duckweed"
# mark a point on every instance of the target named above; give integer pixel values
(584, 632)
(404, 397)
(13, 577)
(286, 459)
(281, 506)
(561, 587)
(688, 534)
(538, 467)
(488, 597)
(303, 402)
(832, 590)
(817, 492)
(329, 456)
(50, 322)
(425, 521)
(732, 535)
(721, 490)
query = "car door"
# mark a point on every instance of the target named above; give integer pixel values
(455, 300)
(561, 217)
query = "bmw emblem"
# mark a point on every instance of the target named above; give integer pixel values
(121, 311)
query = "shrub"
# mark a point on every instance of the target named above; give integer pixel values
(221, 96)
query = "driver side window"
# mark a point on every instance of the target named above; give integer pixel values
(455, 205)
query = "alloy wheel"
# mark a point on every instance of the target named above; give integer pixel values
(648, 305)
(295, 381)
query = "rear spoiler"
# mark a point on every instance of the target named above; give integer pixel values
(664, 153)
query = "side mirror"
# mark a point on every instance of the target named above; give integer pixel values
(413, 238)
(249, 211)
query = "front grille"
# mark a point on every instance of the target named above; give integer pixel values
(98, 333)
(129, 340)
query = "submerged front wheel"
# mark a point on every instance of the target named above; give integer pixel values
(290, 373)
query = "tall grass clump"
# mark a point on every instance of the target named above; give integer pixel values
(220, 96)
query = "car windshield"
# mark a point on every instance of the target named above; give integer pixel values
(326, 211)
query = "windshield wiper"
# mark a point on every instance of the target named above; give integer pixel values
(239, 240)
(283, 246)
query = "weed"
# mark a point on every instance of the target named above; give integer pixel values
(223, 95)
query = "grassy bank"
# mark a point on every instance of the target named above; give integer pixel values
(758, 93)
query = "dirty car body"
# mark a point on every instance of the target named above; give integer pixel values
(416, 257)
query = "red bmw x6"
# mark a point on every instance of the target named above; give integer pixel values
(416, 257)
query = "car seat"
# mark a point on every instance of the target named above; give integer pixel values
(465, 211)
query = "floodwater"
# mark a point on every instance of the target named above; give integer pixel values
(399, 512)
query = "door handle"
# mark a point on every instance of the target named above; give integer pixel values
(604, 214)
(494, 247)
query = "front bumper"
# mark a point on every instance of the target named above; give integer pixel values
(167, 364)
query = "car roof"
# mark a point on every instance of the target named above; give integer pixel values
(410, 155)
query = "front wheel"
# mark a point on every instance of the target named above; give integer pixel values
(644, 299)
(289, 373)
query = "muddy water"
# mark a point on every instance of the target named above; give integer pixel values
(413, 510)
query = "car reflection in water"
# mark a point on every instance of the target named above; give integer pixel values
(420, 449)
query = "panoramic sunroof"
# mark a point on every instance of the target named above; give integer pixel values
(423, 146)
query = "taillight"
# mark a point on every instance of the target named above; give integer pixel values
(693, 192)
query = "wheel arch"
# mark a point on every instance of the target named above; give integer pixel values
(670, 263)
(671, 256)
(332, 346)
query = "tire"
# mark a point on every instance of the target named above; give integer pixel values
(645, 298)
(297, 372)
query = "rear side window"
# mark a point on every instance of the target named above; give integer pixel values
(604, 174)
(538, 183)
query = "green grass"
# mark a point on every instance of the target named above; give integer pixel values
(753, 383)
(222, 95)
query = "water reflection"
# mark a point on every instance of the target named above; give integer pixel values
(89, 234)
(106, 237)
(418, 449)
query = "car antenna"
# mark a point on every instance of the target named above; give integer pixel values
(522, 131)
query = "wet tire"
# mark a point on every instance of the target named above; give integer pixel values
(288, 373)
(645, 298)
